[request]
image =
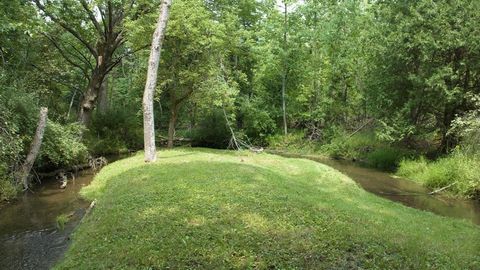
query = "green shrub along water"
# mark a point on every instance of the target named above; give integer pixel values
(62, 144)
(363, 147)
(459, 172)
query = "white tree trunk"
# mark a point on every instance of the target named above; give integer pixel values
(148, 117)
(34, 149)
(284, 75)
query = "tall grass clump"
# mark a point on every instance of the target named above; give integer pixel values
(459, 171)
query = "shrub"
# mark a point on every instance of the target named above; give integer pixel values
(257, 123)
(115, 131)
(342, 145)
(294, 141)
(459, 170)
(62, 145)
(212, 131)
(408, 167)
(386, 158)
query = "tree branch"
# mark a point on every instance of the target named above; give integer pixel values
(66, 27)
(92, 17)
(64, 55)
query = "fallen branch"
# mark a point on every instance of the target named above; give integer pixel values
(441, 189)
(362, 127)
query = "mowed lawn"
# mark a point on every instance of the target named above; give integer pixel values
(212, 209)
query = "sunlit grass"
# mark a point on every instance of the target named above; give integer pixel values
(218, 209)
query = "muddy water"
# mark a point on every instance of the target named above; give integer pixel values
(401, 190)
(29, 237)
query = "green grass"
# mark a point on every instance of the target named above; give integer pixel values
(62, 220)
(458, 168)
(206, 209)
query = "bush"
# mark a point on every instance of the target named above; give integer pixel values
(294, 142)
(8, 189)
(257, 123)
(212, 131)
(12, 123)
(62, 145)
(386, 158)
(459, 168)
(115, 131)
(409, 167)
(355, 147)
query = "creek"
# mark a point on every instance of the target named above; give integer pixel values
(30, 237)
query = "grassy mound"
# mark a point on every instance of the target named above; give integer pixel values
(218, 209)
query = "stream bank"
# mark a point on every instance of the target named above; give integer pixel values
(400, 190)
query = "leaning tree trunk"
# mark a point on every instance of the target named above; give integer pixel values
(148, 117)
(34, 149)
(171, 125)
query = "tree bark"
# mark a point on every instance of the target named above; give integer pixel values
(103, 97)
(148, 117)
(90, 96)
(34, 149)
(171, 125)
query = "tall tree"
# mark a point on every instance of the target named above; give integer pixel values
(152, 73)
(97, 27)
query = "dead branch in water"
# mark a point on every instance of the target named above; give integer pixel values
(441, 189)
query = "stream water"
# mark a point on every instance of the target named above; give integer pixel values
(31, 239)
(29, 234)
(401, 190)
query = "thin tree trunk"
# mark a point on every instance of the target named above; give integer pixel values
(34, 149)
(71, 104)
(234, 138)
(171, 125)
(148, 117)
(284, 75)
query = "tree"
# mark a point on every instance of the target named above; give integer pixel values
(97, 33)
(193, 50)
(153, 62)
(34, 149)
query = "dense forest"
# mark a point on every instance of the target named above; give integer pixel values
(393, 84)
(239, 134)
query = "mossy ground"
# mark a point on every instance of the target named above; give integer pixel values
(208, 209)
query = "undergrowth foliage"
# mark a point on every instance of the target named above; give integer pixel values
(459, 171)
